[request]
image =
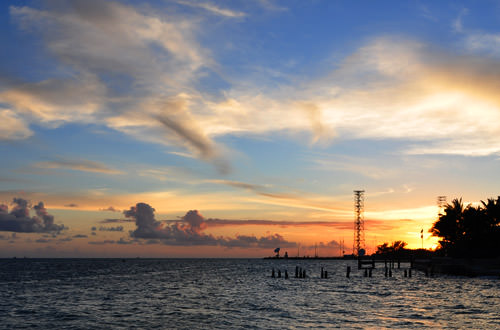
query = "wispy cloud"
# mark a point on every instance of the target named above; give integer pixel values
(214, 9)
(78, 165)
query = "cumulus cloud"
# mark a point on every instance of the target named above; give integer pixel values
(19, 219)
(12, 127)
(189, 231)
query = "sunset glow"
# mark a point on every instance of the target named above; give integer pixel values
(230, 128)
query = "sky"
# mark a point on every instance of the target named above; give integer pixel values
(229, 128)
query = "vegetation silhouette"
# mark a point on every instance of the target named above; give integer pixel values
(469, 231)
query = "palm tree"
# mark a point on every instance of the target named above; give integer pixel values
(449, 226)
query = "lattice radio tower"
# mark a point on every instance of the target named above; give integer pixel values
(441, 203)
(359, 222)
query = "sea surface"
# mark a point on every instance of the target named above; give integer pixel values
(235, 294)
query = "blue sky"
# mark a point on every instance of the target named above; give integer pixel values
(242, 110)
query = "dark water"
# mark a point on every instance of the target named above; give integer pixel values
(232, 294)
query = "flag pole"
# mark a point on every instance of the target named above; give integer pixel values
(422, 237)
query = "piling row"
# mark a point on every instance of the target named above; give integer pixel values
(301, 273)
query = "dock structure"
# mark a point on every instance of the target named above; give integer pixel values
(390, 262)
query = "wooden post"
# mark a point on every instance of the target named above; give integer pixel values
(272, 275)
(296, 271)
(286, 274)
(370, 272)
(386, 272)
(366, 273)
(348, 271)
(326, 274)
(279, 273)
(390, 273)
(409, 272)
(322, 273)
(406, 273)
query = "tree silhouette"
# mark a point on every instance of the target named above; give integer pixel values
(395, 247)
(469, 230)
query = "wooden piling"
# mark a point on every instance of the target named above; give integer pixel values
(279, 273)
(272, 274)
(348, 272)
(296, 271)
(326, 274)
(409, 272)
(370, 272)
(286, 274)
(322, 273)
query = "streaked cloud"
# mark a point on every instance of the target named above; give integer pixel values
(78, 165)
(213, 9)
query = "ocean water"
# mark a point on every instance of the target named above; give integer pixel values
(235, 294)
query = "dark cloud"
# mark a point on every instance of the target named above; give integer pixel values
(80, 236)
(189, 231)
(118, 228)
(65, 239)
(102, 242)
(115, 221)
(123, 241)
(93, 228)
(19, 220)
(71, 205)
(42, 240)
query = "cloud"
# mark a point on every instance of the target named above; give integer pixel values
(110, 209)
(155, 55)
(71, 205)
(118, 228)
(12, 127)
(78, 165)
(80, 236)
(214, 9)
(105, 221)
(281, 223)
(436, 97)
(19, 219)
(107, 241)
(188, 231)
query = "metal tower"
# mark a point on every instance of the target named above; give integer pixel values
(359, 223)
(441, 203)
